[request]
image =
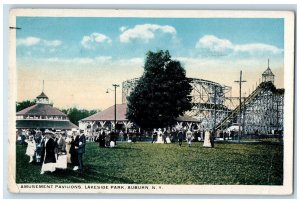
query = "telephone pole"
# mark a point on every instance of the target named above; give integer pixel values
(115, 117)
(240, 107)
(115, 85)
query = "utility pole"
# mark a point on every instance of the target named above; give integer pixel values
(115, 117)
(115, 86)
(240, 107)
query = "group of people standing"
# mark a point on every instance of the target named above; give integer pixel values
(167, 136)
(55, 150)
(106, 138)
(176, 135)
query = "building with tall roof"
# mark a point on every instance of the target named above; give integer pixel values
(43, 115)
(105, 119)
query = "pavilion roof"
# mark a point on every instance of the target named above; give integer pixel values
(42, 95)
(109, 114)
(41, 110)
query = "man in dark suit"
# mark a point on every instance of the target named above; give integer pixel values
(180, 137)
(102, 138)
(81, 150)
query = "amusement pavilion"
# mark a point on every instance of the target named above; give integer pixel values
(43, 115)
(213, 107)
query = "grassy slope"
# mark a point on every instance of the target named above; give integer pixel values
(146, 163)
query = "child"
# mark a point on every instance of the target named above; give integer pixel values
(31, 147)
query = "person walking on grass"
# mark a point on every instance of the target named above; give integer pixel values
(49, 154)
(189, 137)
(121, 135)
(107, 138)
(61, 153)
(81, 150)
(154, 136)
(31, 147)
(165, 135)
(180, 137)
(68, 141)
(39, 141)
(73, 152)
(174, 136)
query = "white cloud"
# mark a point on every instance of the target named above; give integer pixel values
(54, 43)
(80, 60)
(137, 60)
(213, 45)
(34, 41)
(253, 48)
(28, 41)
(103, 58)
(146, 32)
(89, 41)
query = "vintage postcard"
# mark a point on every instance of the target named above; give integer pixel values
(151, 101)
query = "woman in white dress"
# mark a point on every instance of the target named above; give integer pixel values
(49, 162)
(68, 146)
(31, 147)
(61, 161)
(189, 137)
(159, 136)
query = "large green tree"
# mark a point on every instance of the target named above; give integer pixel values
(75, 114)
(161, 94)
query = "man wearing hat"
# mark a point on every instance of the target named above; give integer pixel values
(81, 149)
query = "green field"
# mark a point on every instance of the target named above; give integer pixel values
(146, 163)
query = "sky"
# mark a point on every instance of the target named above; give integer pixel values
(79, 58)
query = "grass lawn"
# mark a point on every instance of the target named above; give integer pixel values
(146, 163)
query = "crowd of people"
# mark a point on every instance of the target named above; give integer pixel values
(54, 150)
(108, 138)
(175, 135)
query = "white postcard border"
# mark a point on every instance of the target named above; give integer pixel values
(285, 189)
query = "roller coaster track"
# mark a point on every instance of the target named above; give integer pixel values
(234, 113)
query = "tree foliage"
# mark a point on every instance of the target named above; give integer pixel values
(24, 104)
(161, 94)
(75, 114)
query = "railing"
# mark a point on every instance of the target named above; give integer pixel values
(226, 121)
